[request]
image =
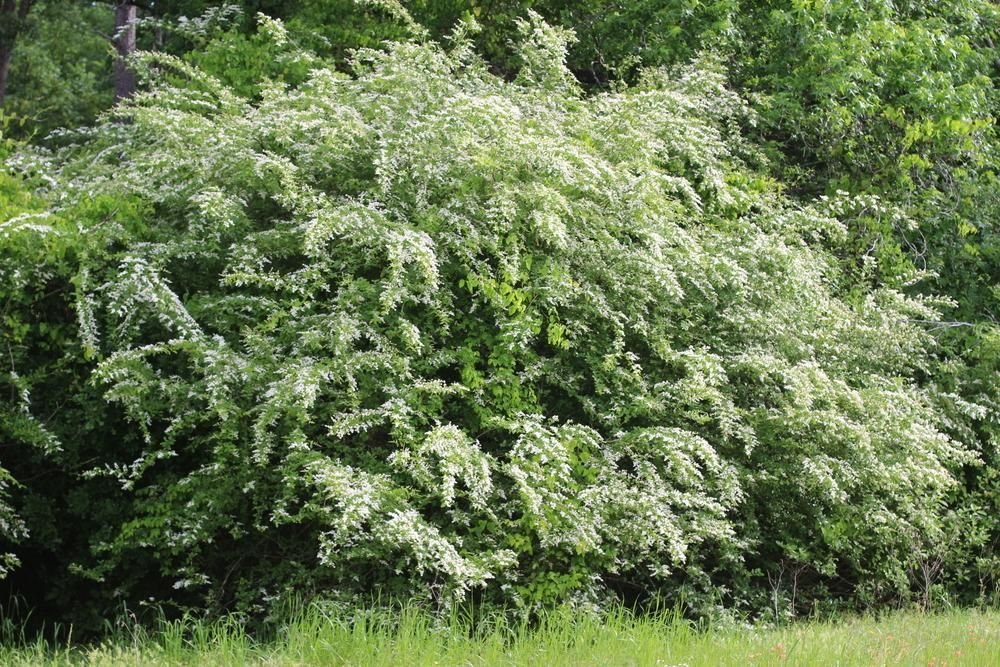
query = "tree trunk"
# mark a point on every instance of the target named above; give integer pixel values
(125, 16)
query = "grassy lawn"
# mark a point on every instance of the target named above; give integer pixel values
(949, 639)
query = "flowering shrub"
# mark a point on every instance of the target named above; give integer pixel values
(426, 331)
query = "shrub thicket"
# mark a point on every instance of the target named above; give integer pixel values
(428, 332)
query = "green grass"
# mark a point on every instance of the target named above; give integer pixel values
(938, 640)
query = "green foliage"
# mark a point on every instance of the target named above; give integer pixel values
(248, 63)
(895, 104)
(419, 329)
(869, 91)
(52, 420)
(614, 39)
(617, 38)
(60, 69)
(335, 28)
(18, 210)
(426, 331)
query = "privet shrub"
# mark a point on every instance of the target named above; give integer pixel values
(427, 332)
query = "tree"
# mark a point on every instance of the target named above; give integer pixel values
(13, 19)
(126, 15)
(60, 75)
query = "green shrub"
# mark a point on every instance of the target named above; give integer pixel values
(431, 333)
(21, 214)
(53, 420)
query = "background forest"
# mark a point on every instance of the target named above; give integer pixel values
(506, 303)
